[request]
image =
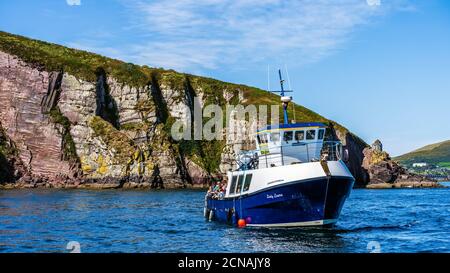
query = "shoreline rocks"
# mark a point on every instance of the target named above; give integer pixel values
(406, 185)
(85, 185)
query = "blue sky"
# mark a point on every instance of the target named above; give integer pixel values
(379, 67)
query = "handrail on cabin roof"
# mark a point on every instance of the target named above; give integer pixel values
(292, 126)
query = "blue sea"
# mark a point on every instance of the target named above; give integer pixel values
(405, 220)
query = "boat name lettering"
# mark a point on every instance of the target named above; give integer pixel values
(273, 196)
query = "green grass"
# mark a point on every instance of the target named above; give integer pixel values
(444, 164)
(437, 153)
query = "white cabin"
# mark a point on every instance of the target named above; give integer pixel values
(290, 144)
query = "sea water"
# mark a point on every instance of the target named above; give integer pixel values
(397, 220)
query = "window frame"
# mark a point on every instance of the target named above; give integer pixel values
(247, 182)
(296, 135)
(262, 138)
(239, 184)
(321, 134)
(314, 134)
(272, 137)
(233, 184)
(286, 133)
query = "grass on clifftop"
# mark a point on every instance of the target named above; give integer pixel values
(81, 64)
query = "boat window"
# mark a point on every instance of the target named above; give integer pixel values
(275, 137)
(311, 134)
(287, 136)
(321, 134)
(300, 135)
(239, 184)
(248, 180)
(233, 184)
(258, 139)
(262, 138)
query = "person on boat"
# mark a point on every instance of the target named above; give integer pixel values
(223, 188)
(210, 192)
(221, 195)
(216, 187)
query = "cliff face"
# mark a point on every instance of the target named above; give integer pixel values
(65, 128)
(34, 135)
(106, 124)
(355, 147)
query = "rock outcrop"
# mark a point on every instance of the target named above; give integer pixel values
(383, 172)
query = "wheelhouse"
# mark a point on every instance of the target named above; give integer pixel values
(289, 144)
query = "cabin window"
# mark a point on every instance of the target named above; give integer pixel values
(248, 181)
(239, 184)
(311, 134)
(275, 137)
(233, 184)
(262, 138)
(258, 139)
(300, 135)
(321, 134)
(288, 136)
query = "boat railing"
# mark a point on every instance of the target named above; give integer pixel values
(290, 154)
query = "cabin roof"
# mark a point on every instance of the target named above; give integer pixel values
(293, 126)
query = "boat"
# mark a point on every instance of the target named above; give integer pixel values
(296, 177)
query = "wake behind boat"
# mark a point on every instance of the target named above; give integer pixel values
(294, 178)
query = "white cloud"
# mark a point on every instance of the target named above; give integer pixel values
(194, 35)
(73, 2)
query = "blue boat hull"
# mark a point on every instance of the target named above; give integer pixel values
(301, 203)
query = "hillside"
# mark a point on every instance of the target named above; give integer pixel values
(83, 65)
(436, 154)
(71, 114)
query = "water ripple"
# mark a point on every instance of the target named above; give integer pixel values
(172, 221)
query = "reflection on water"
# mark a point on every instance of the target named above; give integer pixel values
(293, 240)
(171, 221)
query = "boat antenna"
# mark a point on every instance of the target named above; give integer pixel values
(268, 77)
(284, 99)
(288, 78)
(289, 82)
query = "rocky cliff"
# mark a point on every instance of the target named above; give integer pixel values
(74, 119)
